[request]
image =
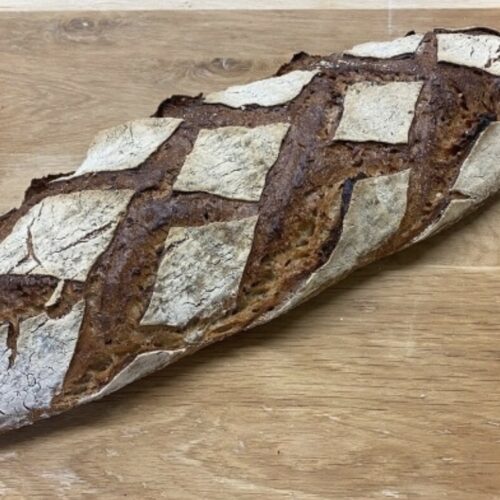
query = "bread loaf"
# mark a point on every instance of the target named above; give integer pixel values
(222, 211)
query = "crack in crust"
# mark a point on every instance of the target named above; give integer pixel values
(29, 381)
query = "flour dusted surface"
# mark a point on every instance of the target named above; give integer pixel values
(386, 50)
(480, 173)
(454, 211)
(381, 112)
(63, 234)
(45, 347)
(268, 92)
(200, 271)
(142, 365)
(232, 161)
(126, 146)
(476, 51)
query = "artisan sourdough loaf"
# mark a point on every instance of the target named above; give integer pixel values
(222, 211)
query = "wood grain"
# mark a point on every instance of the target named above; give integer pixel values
(387, 386)
(50, 5)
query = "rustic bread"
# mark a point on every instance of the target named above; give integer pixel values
(223, 211)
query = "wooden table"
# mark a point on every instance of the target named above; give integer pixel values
(387, 386)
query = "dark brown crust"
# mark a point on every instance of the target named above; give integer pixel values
(296, 231)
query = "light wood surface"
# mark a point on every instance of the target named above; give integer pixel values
(66, 5)
(387, 386)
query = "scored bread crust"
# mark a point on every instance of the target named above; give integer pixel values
(223, 211)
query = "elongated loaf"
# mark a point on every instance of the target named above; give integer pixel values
(222, 211)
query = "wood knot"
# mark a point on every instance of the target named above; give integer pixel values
(224, 66)
(85, 29)
(80, 24)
